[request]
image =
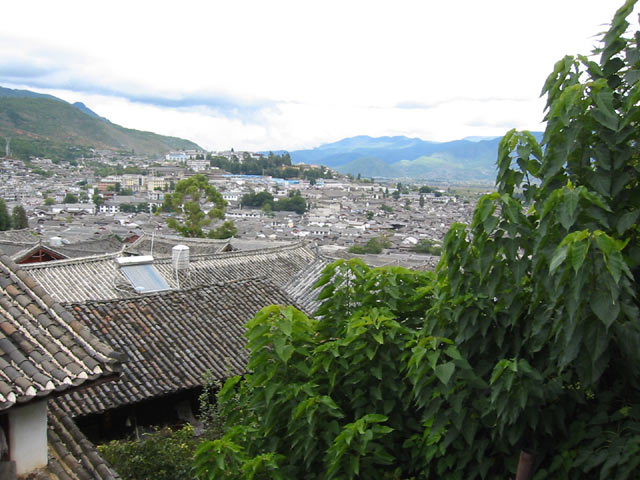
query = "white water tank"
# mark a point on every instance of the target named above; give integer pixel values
(180, 257)
(55, 241)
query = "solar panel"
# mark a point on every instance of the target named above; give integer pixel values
(145, 278)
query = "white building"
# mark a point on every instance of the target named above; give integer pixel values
(176, 156)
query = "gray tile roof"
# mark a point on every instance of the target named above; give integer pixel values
(163, 244)
(98, 246)
(300, 287)
(99, 277)
(43, 349)
(25, 244)
(277, 264)
(171, 338)
(71, 455)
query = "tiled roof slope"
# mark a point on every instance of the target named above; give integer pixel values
(71, 455)
(25, 241)
(17, 249)
(77, 280)
(43, 349)
(99, 278)
(162, 245)
(97, 246)
(300, 287)
(171, 338)
(277, 264)
(24, 235)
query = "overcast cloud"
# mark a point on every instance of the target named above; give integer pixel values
(261, 75)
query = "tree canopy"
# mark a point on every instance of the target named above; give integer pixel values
(5, 219)
(526, 338)
(70, 198)
(187, 201)
(19, 218)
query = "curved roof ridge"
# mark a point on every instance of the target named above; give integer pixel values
(241, 253)
(71, 261)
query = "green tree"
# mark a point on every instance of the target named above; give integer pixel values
(295, 202)
(162, 454)
(49, 201)
(427, 246)
(256, 199)
(70, 198)
(421, 201)
(374, 245)
(187, 200)
(226, 230)
(19, 218)
(5, 219)
(128, 208)
(334, 427)
(97, 200)
(527, 339)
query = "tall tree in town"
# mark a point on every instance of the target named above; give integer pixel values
(5, 219)
(19, 218)
(524, 344)
(188, 199)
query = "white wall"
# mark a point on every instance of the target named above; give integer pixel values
(28, 436)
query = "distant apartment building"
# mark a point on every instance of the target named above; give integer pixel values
(133, 182)
(109, 207)
(183, 156)
(194, 154)
(157, 183)
(198, 165)
(176, 156)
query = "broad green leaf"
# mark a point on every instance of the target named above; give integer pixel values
(605, 113)
(568, 205)
(627, 220)
(605, 308)
(498, 370)
(558, 257)
(577, 252)
(444, 372)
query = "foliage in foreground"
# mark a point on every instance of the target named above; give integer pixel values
(528, 337)
(163, 454)
(166, 454)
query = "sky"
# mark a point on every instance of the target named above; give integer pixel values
(267, 75)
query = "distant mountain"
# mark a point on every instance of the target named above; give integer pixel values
(16, 93)
(83, 108)
(479, 138)
(42, 123)
(396, 157)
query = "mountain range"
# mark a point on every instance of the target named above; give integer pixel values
(469, 159)
(44, 125)
(37, 122)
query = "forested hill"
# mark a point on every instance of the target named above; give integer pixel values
(466, 159)
(48, 126)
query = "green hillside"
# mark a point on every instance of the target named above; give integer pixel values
(49, 125)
